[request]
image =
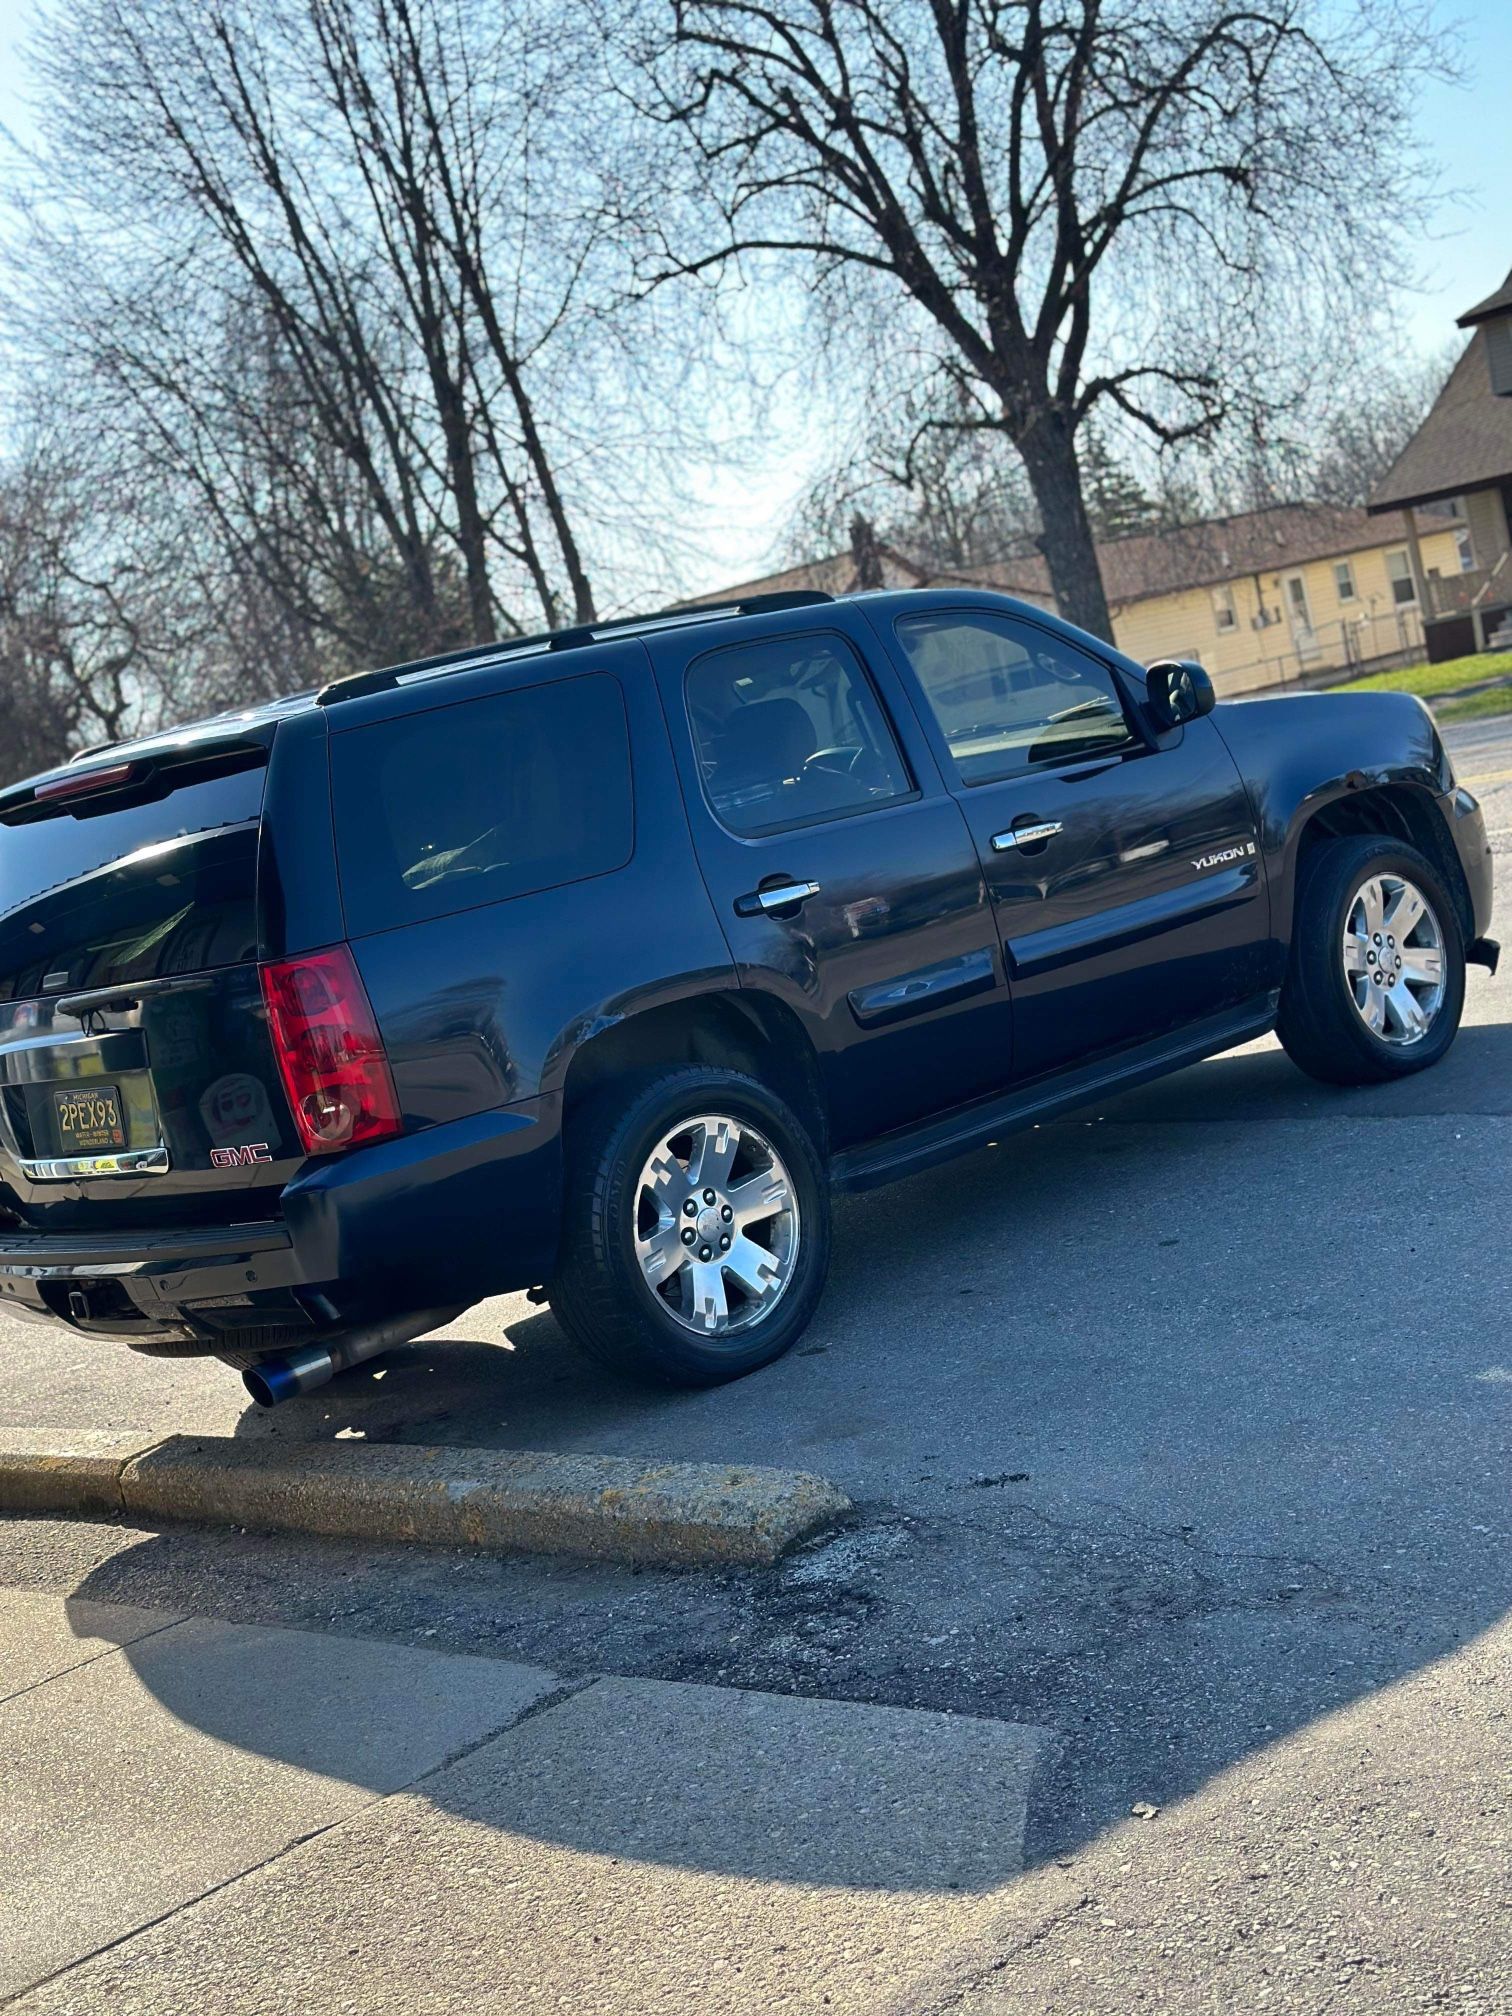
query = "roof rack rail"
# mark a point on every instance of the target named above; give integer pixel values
(357, 684)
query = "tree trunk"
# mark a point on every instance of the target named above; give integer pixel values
(472, 536)
(1048, 447)
(866, 556)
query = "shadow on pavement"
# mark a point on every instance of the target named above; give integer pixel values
(741, 1783)
(1170, 1437)
(1264, 1084)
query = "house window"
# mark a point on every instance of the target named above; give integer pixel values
(1399, 574)
(1344, 580)
(1466, 549)
(1224, 612)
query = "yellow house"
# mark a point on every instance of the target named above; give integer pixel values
(1278, 595)
(1261, 599)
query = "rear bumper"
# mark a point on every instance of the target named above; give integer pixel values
(137, 1285)
(448, 1215)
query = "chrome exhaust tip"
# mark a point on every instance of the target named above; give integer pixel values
(272, 1380)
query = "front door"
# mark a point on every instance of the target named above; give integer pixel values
(1124, 863)
(839, 865)
(1299, 611)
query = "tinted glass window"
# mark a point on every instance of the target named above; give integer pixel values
(125, 892)
(789, 730)
(1007, 695)
(469, 804)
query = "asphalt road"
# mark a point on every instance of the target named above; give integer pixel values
(1179, 1428)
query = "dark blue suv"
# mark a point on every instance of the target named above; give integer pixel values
(592, 963)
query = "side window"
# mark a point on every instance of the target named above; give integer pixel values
(1008, 696)
(471, 803)
(790, 730)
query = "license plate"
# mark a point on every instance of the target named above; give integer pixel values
(89, 1122)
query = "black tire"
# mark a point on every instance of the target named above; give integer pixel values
(599, 1294)
(1320, 1025)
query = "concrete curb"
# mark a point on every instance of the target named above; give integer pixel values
(602, 1508)
(46, 1472)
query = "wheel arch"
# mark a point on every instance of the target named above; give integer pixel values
(1395, 811)
(739, 1030)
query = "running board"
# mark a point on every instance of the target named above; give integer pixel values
(910, 1149)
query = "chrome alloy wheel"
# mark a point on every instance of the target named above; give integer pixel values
(1394, 959)
(716, 1225)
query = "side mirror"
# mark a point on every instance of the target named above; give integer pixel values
(1179, 690)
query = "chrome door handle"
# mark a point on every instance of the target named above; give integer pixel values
(760, 902)
(1022, 836)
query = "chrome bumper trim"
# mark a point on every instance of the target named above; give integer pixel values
(70, 1168)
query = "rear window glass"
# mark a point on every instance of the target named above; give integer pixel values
(94, 898)
(469, 804)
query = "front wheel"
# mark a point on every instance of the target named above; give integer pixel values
(1376, 983)
(695, 1235)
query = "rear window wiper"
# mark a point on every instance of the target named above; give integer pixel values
(129, 993)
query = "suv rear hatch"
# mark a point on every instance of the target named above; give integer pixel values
(139, 1086)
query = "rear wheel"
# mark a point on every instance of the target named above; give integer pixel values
(695, 1229)
(1376, 984)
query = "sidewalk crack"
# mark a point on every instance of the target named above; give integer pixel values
(105, 1652)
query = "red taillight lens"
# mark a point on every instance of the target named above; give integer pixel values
(76, 782)
(329, 1051)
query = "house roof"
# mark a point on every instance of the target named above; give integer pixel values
(1464, 444)
(1215, 550)
(1499, 303)
(835, 574)
(1135, 569)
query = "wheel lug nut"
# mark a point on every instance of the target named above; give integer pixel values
(708, 1196)
(691, 1207)
(706, 1253)
(726, 1213)
(1378, 937)
(724, 1244)
(689, 1235)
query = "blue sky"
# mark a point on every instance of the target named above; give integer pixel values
(1470, 128)
(1466, 252)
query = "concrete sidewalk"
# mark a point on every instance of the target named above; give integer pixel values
(198, 1815)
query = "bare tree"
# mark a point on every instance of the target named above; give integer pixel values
(945, 495)
(1333, 448)
(345, 278)
(1086, 203)
(1362, 436)
(84, 578)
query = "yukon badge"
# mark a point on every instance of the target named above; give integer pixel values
(1216, 860)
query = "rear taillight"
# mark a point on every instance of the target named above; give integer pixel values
(329, 1051)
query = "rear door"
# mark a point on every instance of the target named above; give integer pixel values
(1124, 865)
(137, 1082)
(839, 866)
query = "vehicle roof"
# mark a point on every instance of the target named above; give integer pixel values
(718, 621)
